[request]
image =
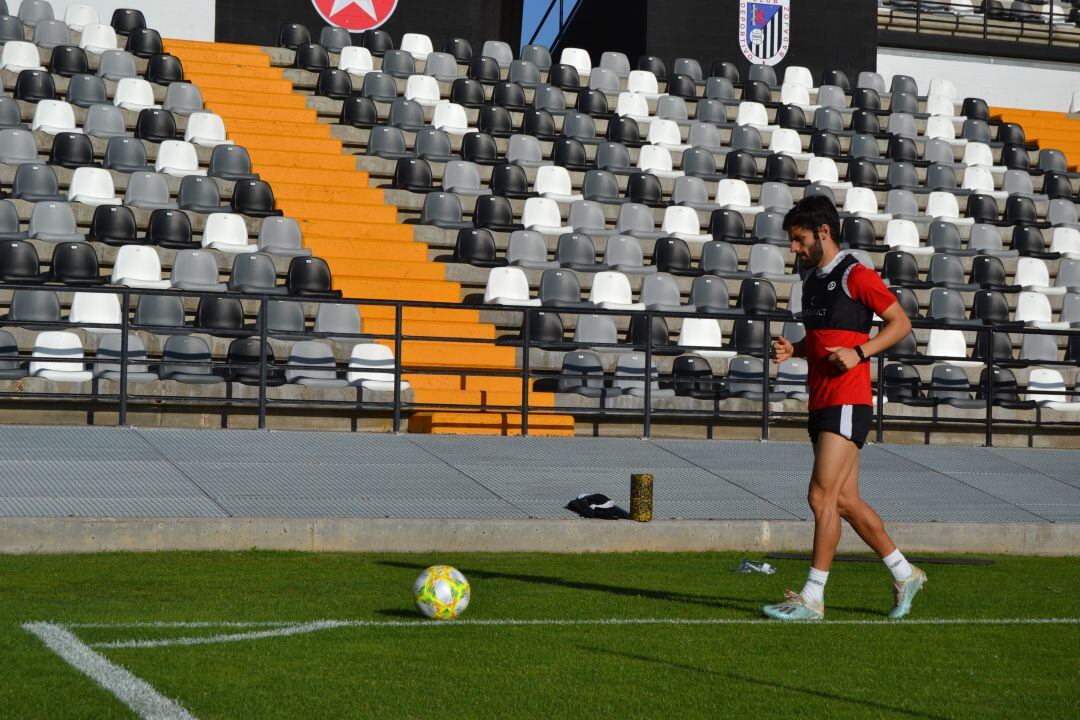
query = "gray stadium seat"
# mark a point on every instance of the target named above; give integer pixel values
(528, 249)
(164, 311)
(596, 331)
(443, 210)
(630, 377)
(254, 273)
(661, 292)
(17, 146)
(196, 270)
(51, 33)
(199, 194)
(187, 359)
(623, 253)
(338, 318)
(34, 306)
(322, 370)
(126, 155)
(54, 222)
(183, 98)
(109, 358)
(709, 294)
(281, 236)
(148, 190)
(105, 121)
(116, 65)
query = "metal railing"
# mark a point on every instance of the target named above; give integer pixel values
(933, 13)
(529, 376)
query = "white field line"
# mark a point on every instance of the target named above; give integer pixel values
(318, 625)
(137, 694)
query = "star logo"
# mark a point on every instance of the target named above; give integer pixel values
(356, 15)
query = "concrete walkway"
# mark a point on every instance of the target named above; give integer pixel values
(160, 488)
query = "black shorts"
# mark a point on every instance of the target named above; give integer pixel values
(850, 421)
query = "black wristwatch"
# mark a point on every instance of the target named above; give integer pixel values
(859, 352)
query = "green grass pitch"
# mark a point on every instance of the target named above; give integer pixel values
(404, 666)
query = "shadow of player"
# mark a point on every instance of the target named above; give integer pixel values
(717, 601)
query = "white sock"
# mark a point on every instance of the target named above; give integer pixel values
(814, 589)
(898, 565)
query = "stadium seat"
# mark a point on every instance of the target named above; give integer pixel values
(178, 158)
(311, 364)
(50, 34)
(254, 198)
(704, 336)
(86, 90)
(630, 377)
(1046, 388)
(34, 306)
(116, 65)
(72, 150)
(187, 359)
(227, 232)
(254, 273)
(144, 43)
(206, 129)
(135, 94)
(744, 381)
(97, 38)
(356, 61)
(92, 186)
(36, 182)
(372, 367)
(310, 277)
(164, 69)
(125, 20)
(148, 190)
(78, 16)
(18, 56)
(106, 121)
(54, 222)
(19, 263)
(527, 249)
(89, 310)
(950, 346)
(138, 266)
(200, 195)
(611, 290)
(292, 35)
(58, 356)
(195, 270)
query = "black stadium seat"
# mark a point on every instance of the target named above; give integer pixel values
(293, 35)
(312, 57)
(19, 263)
(76, 263)
(34, 86)
(127, 20)
(155, 125)
(114, 225)
(254, 198)
(68, 60)
(144, 43)
(164, 69)
(310, 277)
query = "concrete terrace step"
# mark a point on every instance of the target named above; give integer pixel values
(458, 423)
(370, 253)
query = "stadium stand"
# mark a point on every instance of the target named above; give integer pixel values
(237, 174)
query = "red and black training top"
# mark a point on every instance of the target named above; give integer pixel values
(839, 302)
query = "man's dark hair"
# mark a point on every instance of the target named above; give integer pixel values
(812, 212)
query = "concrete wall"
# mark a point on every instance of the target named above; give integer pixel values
(185, 19)
(1002, 82)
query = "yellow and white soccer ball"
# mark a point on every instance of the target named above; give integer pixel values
(441, 592)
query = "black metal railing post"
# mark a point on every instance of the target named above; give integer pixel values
(263, 342)
(397, 367)
(990, 387)
(526, 348)
(918, 17)
(1050, 25)
(646, 425)
(124, 352)
(766, 361)
(986, 20)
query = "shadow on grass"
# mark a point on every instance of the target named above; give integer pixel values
(869, 705)
(716, 601)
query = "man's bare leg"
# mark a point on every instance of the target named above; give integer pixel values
(863, 518)
(835, 458)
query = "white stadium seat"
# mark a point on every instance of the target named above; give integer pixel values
(92, 186)
(206, 129)
(227, 232)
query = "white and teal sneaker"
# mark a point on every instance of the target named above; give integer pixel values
(904, 592)
(795, 608)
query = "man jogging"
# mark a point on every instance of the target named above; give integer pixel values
(840, 298)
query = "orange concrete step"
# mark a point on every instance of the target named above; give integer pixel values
(240, 97)
(299, 159)
(229, 83)
(230, 111)
(246, 127)
(422, 291)
(328, 194)
(343, 212)
(315, 178)
(305, 145)
(459, 423)
(217, 56)
(451, 315)
(427, 353)
(480, 398)
(195, 69)
(349, 267)
(356, 230)
(371, 250)
(429, 329)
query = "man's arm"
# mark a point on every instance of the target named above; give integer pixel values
(897, 326)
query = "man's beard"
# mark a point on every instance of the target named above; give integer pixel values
(815, 253)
